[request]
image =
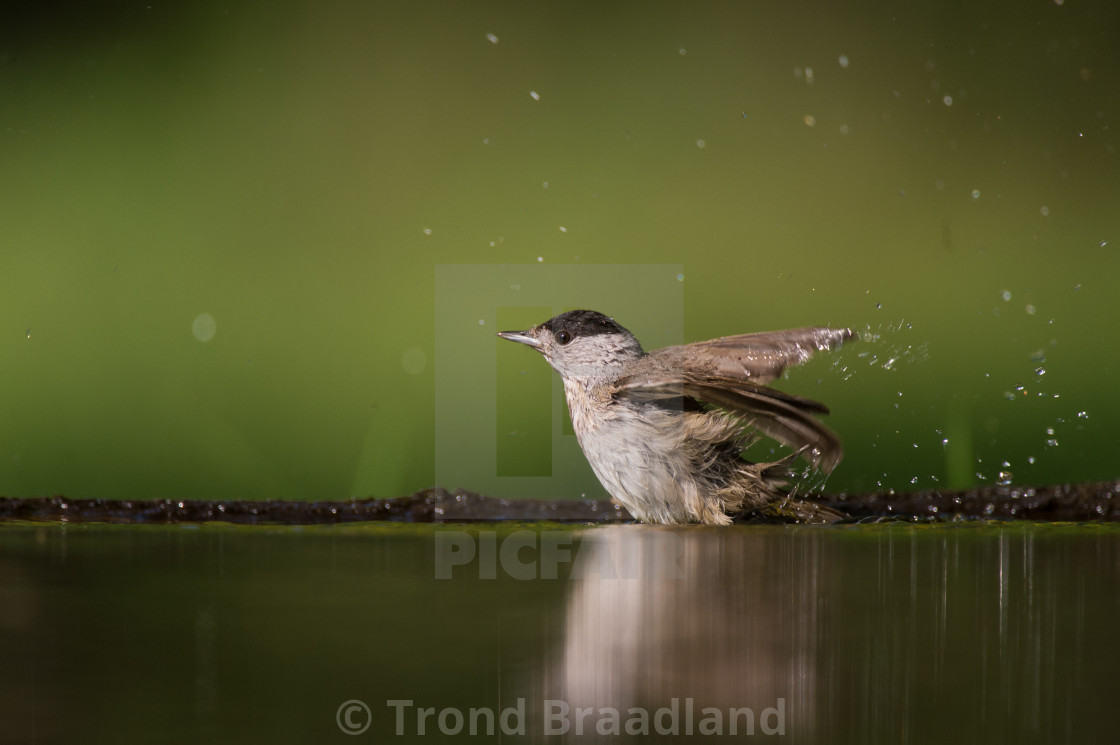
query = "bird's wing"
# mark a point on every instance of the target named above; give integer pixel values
(729, 372)
(784, 417)
(759, 357)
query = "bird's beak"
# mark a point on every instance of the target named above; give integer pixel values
(521, 337)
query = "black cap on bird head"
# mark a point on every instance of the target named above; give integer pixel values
(584, 323)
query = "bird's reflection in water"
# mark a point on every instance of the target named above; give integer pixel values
(701, 616)
(866, 630)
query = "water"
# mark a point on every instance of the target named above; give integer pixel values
(889, 633)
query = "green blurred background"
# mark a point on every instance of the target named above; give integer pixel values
(220, 226)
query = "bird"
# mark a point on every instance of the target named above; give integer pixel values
(665, 431)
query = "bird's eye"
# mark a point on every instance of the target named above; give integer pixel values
(563, 337)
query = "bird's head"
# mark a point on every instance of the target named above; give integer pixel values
(581, 344)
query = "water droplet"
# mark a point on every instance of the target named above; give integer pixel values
(1004, 478)
(682, 51)
(844, 61)
(1006, 295)
(700, 144)
(1102, 244)
(1045, 211)
(481, 322)
(878, 306)
(204, 327)
(975, 193)
(947, 100)
(1052, 443)
(914, 480)
(535, 96)
(492, 39)
(680, 278)
(1030, 460)
(427, 231)
(544, 184)
(1082, 415)
(414, 360)
(810, 120)
(945, 442)
(1040, 371)
(540, 259)
(563, 229)
(1030, 310)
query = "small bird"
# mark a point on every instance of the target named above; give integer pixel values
(665, 430)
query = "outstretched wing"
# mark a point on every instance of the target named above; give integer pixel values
(759, 357)
(729, 373)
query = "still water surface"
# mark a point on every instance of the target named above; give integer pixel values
(889, 633)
